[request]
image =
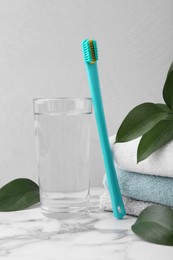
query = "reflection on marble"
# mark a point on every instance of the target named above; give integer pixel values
(28, 235)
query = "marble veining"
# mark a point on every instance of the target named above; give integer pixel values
(29, 235)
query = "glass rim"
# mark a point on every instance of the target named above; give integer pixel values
(84, 100)
(62, 98)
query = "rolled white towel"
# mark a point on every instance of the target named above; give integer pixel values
(159, 163)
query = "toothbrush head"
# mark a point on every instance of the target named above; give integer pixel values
(90, 51)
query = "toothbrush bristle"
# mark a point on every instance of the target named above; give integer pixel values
(90, 51)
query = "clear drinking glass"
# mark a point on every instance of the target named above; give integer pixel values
(62, 130)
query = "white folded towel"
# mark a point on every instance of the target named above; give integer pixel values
(133, 207)
(159, 163)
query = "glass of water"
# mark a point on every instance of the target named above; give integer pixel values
(62, 130)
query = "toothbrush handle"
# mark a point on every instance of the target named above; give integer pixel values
(116, 198)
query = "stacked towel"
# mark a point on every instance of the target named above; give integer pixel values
(150, 181)
(160, 163)
(133, 207)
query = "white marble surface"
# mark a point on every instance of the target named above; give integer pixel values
(28, 235)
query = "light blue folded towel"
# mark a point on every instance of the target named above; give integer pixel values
(145, 187)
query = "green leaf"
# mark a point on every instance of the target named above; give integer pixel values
(155, 225)
(168, 88)
(164, 107)
(18, 194)
(139, 120)
(155, 138)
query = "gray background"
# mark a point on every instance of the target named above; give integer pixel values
(40, 56)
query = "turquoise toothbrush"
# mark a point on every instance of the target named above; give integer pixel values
(90, 54)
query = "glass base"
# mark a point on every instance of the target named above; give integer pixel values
(65, 215)
(79, 209)
(64, 205)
